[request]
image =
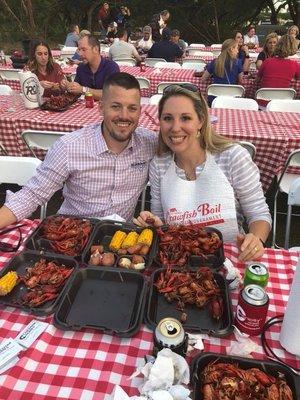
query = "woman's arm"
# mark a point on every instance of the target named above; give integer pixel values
(258, 64)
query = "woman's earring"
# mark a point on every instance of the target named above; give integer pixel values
(198, 134)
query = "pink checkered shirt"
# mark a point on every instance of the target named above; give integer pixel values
(95, 181)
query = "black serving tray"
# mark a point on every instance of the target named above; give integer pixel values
(49, 106)
(103, 234)
(107, 299)
(36, 242)
(270, 367)
(214, 261)
(19, 264)
(198, 320)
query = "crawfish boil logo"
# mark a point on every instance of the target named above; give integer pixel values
(30, 89)
(205, 214)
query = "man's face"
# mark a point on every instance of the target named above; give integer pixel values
(174, 38)
(87, 52)
(121, 112)
(146, 36)
(251, 32)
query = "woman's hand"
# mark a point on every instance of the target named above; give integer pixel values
(250, 246)
(145, 216)
(64, 84)
(47, 84)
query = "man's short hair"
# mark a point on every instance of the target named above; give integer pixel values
(73, 27)
(122, 79)
(166, 34)
(175, 32)
(121, 32)
(92, 41)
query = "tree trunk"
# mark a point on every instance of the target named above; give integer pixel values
(90, 15)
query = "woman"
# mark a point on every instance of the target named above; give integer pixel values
(48, 72)
(201, 177)
(294, 32)
(227, 68)
(278, 71)
(268, 49)
(243, 53)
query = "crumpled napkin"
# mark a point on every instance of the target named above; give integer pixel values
(233, 276)
(243, 346)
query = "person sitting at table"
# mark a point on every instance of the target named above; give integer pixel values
(122, 49)
(251, 39)
(243, 53)
(278, 71)
(268, 49)
(165, 48)
(102, 168)
(94, 69)
(226, 68)
(175, 38)
(145, 44)
(111, 33)
(294, 32)
(200, 177)
(42, 64)
(73, 36)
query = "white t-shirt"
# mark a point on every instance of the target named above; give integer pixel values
(122, 49)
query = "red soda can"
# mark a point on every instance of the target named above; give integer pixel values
(143, 66)
(252, 309)
(89, 100)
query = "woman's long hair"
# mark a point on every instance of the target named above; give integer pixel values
(209, 139)
(32, 63)
(224, 57)
(286, 46)
(271, 35)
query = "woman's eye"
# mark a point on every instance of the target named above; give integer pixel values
(185, 118)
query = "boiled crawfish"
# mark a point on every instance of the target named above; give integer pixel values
(178, 242)
(225, 381)
(67, 235)
(199, 288)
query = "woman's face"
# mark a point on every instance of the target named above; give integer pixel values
(293, 32)
(251, 32)
(239, 39)
(179, 124)
(233, 51)
(271, 44)
(41, 55)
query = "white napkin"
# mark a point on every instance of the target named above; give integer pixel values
(243, 346)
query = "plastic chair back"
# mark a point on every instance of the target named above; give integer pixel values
(200, 53)
(275, 93)
(249, 147)
(154, 99)
(128, 62)
(162, 85)
(197, 45)
(143, 82)
(150, 62)
(197, 66)
(234, 103)
(5, 90)
(42, 140)
(225, 90)
(161, 64)
(284, 105)
(10, 74)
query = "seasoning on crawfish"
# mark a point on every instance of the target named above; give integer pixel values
(199, 288)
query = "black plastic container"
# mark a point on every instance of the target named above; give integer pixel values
(214, 261)
(19, 264)
(270, 367)
(107, 299)
(37, 243)
(198, 320)
(104, 233)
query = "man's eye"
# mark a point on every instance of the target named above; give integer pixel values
(115, 106)
(167, 118)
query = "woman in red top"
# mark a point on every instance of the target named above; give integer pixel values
(278, 71)
(48, 72)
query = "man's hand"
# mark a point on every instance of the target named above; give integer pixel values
(250, 246)
(74, 87)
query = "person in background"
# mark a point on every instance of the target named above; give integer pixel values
(111, 33)
(90, 163)
(42, 64)
(294, 32)
(145, 44)
(175, 38)
(251, 39)
(73, 36)
(196, 169)
(165, 48)
(123, 17)
(158, 24)
(243, 53)
(104, 18)
(278, 71)
(92, 72)
(268, 49)
(122, 49)
(226, 68)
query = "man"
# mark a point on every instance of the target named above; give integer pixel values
(145, 44)
(165, 48)
(175, 38)
(122, 49)
(73, 36)
(102, 168)
(93, 70)
(251, 39)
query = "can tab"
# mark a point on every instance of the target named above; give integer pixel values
(171, 329)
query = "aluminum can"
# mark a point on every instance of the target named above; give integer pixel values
(142, 66)
(257, 274)
(89, 100)
(252, 309)
(170, 333)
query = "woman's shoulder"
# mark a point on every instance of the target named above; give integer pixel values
(162, 160)
(233, 153)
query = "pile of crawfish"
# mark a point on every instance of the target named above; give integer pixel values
(178, 242)
(67, 235)
(225, 381)
(44, 281)
(56, 103)
(199, 288)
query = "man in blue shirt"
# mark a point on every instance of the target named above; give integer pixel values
(93, 70)
(165, 48)
(73, 36)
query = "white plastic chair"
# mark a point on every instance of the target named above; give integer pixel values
(19, 170)
(5, 90)
(217, 89)
(129, 62)
(154, 99)
(197, 66)
(250, 147)
(11, 74)
(216, 46)
(161, 64)
(197, 45)
(284, 106)
(162, 85)
(275, 93)
(143, 82)
(68, 51)
(42, 140)
(125, 64)
(3, 151)
(284, 183)
(200, 53)
(235, 103)
(150, 62)
(293, 200)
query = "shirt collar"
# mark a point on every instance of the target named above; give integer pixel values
(100, 143)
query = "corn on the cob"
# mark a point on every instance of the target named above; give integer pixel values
(117, 240)
(130, 240)
(146, 237)
(8, 282)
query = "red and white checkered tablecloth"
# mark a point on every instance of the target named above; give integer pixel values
(86, 365)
